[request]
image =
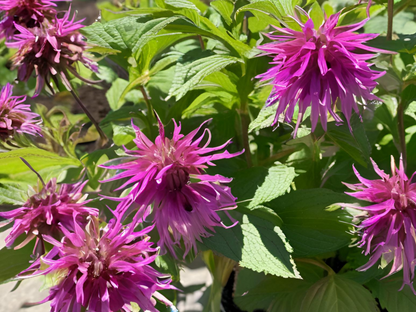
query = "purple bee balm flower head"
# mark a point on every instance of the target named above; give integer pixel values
(105, 270)
(43, 211)
(16, 117)
(170, 175)
(316, 67)
(388, 229)
(50, 50)
(27, 13)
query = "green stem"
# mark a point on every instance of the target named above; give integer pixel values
(245, 121)
(402, 134)
(103, 137)
(390, 14)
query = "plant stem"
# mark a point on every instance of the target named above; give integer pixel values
(245, 121)
(402, 134)
(201, 42)
(147, 101)
(103, 137)
(390, 14)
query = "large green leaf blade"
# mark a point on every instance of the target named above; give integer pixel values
(338, 294)
(256, 244)
(189, 73)
(14, 261)
(309, 227)
(37, 158)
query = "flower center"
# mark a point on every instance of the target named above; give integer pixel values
(176, 178)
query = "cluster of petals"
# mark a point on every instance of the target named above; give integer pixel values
(104, 269)
(15, 116)
(44, 212)
(27, 13)
(388, 229)
(169, 174)
(316, 67)
(50, 50)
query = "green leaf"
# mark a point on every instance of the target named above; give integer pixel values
(264, 119)
(336, 293)
(256, 244)
(123, 134)
(317, 15)
(189, 73)
(408, 95)
(355, 144)
(14, 261)
(310, 229)
(128, 34)
(277, 183)
(387, 291)
(225, 8)
(256, 291)
(113, 94)
(278, 8)
(37, 158)
(12, 193)
(182, 4)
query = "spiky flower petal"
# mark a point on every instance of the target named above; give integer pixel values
(27, 13)
(42, 213)
(318, 66)
(104, 270)
(51, 50)
(16, 117)
(170, 175)
(388, 230)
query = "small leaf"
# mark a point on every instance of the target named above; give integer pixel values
(264, 119)
(113, 94)
(336, 293)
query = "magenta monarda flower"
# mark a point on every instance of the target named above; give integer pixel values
(315, 67)
(105, 270)
(45, 210)
(170, 175)
(388, 230)
(27, 13)
(52, 49)
(16, 117)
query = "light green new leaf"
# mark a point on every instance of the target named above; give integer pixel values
(114, 93)
(310, 229)
(338, 294)
(256, 244)
(189, 74)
